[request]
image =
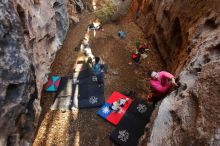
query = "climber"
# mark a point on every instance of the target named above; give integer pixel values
(160, 84)
(117, 105)
(97, 69)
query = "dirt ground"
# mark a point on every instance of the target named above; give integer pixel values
(84, 127)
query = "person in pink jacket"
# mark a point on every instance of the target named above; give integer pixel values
(160, 84)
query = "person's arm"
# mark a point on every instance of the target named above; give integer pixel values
(173, 82)
(168, 76)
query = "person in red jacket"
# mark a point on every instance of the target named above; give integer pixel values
(160, 84)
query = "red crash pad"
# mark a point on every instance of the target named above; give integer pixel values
(112, 116)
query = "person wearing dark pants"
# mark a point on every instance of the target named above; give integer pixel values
(98, 71)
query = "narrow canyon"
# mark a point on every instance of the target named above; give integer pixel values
(39, 38)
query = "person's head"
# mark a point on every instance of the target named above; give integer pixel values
(154, 75)
(97, 59)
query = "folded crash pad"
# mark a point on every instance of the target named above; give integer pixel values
(53, 83)
(83, 93)
(132, 125)
(113, 116)
(63, 98)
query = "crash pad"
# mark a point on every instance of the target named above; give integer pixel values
(83, 74)
(81, 65)
(65, 87)
(85, 93)
(112, 116)
(132, 125)
(63, 98)
(92, 79)
(52, 84)
(88, 94)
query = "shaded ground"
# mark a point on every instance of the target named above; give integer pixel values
(85, 127)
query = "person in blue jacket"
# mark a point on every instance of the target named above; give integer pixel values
(97, 69)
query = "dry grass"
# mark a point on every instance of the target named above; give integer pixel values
(106, 10)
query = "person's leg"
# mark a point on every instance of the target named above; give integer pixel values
(157, 97)
(94, 32)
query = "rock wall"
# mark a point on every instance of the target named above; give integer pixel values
(187, 35)
(31, 32)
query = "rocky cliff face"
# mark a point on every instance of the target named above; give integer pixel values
(31, 32)
(187, 34)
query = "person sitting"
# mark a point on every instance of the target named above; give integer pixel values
(117, 105)
(160, 84)
(97, 69)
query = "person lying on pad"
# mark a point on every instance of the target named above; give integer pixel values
(116, 106)
(97, 69)
(160, 83)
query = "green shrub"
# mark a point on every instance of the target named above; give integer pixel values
(106, 10)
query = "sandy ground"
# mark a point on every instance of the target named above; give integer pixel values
(85, 127)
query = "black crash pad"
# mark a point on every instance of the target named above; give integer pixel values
(132, 125)
(92, 79)
(83, 74)
(65, 87)
(81, 65)
(89, 102)
(85, 90)
(86, 93)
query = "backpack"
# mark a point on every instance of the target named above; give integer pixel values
(136, 57)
